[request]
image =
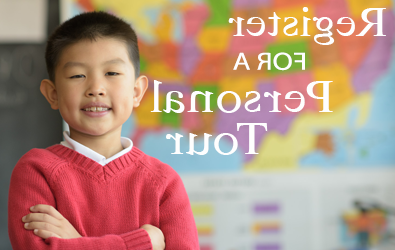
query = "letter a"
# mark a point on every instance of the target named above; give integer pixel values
(241, 56)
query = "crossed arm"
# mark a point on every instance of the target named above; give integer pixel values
(29, 187)
(46, 221)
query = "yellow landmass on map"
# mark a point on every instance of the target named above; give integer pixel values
(358, 6)
(214, 39)
(133, 11)
(164, 28)
(282, 152)
(160, 70)
(144, 117)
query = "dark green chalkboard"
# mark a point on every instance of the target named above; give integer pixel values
(26, 119)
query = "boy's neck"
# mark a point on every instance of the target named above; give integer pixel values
(106, 145)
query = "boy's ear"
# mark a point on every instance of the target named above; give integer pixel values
(48, 90)
(140, 87)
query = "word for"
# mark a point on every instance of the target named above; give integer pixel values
(275, 95)
(268, 61)
(192, 151)
(328, 34)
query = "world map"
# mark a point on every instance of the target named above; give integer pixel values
(189, 45)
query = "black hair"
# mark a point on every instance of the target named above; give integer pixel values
(90, 25)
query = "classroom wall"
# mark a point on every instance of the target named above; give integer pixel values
(26, 119)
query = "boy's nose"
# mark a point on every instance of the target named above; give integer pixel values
(95, 89)
(96, 92)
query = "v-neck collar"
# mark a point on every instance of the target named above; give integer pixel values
(127, 144)
(101, 173)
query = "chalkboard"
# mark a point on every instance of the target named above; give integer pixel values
(26, 119)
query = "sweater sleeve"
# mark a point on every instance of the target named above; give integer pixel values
(176, 218)
(29, 186)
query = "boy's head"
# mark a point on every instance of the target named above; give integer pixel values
(90, 26)
(93, 64)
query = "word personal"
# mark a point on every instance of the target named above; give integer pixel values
(274, 96)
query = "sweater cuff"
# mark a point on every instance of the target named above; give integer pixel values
(137, 240)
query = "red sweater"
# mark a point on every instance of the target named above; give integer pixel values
(106, 204)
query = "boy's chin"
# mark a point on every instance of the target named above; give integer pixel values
(98, 132)
(88, 132)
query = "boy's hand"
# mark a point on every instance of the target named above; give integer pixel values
(47, 222)
(156, 235)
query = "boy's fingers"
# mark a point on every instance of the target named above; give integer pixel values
(43, 208)
(45, 234)
(41, 217)
(43, 226)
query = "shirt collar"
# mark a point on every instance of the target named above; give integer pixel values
(127, 144)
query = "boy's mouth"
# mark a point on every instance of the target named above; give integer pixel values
(96, 109)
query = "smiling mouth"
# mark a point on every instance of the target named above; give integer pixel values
(96, 109)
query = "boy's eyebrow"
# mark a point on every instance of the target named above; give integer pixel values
(115, 61)
(74, 64)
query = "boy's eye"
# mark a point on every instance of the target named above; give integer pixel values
(112, 73)
(77, 76)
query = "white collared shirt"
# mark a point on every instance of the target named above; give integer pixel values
(127, 144)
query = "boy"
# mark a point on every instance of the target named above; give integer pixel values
(96, 190)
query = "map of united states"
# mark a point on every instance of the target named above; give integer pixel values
(190, 46)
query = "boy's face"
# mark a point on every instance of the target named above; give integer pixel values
(95, 73)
